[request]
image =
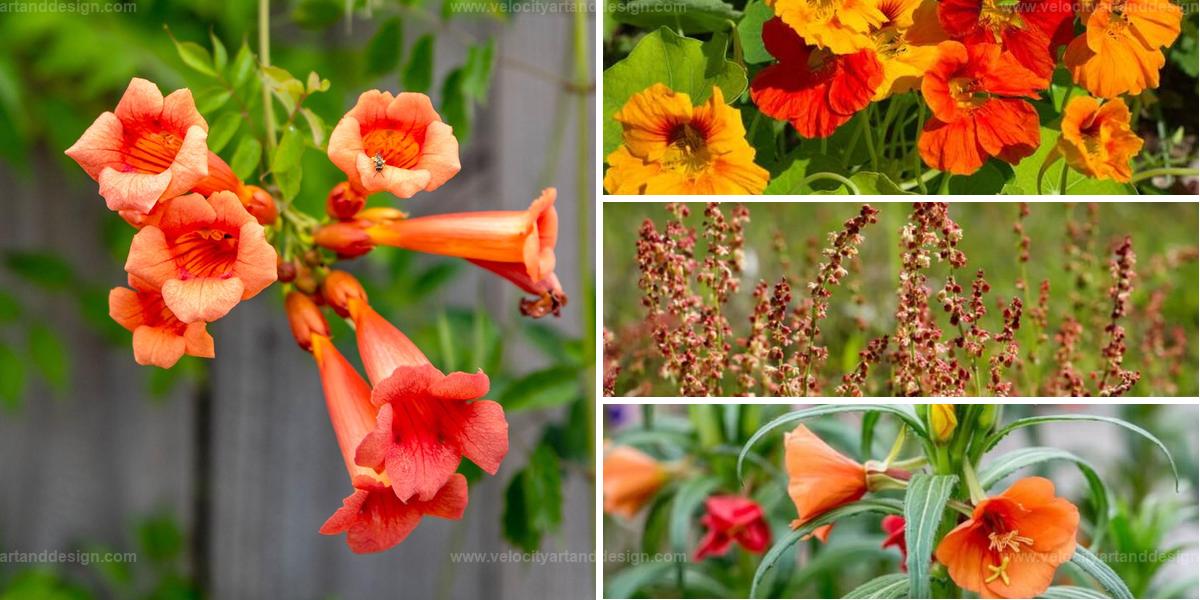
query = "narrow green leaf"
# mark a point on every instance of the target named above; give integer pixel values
(630, 581)
(10, 309)
(904, 413)
(291, 148)
(924, 504)
(875, 505)
(418, 72)
(893, 585)
(456, 108)
(195, 56)
(220, 55)
(1071, 591)
(384, 49)
(12, 379)
(1092, 565)
(478, 70)
(1029, 421)
(315, 125)
(1001, 467)
(43, 269)
(543, 389)
(688, 501)
(246, 157)
(211, 99)
(222, 131)
(243, 66)
(49, 356)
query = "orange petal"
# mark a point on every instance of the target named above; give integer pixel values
(202, 298)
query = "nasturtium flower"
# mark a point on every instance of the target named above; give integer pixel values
(839, 26)
(159, 337)
(631, 478)
(672, 147)
(811, 88)
(1096, 139)
(1028, 29)
(394, 143)
(974, 93)
(1013, 543)
(149, 149)
(893, 526)
(942, 421)
(372, 517)
(204, 255)
(905, 44)
(427, 421)
(820, 478)
(1120, 53)
(732, 519)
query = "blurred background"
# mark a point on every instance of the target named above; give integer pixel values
(1150, 540)
(785, 239)
(217, 474)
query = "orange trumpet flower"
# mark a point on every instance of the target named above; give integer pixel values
(427, 421)
(372, 517)
(204, 255)
(820, 478)
(304, 318)
(394, 143)
(631, 478)
(1013, 543)
(159, 337)
(149, 149)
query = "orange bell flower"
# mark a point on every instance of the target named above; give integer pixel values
(372, 517)
(149, 149)
(1013, 543)
(631, 478)
(204, 255)
(394, 143)
(427, 421)
(159, 337)
(820, 478)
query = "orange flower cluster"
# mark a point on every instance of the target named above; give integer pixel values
(200, 246)
(404, 430)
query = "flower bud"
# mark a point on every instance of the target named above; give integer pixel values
(306, 282)
(305, 319)
(286, 271)
(339, 288)
(344, 201)
(942, 422)
(348, 240)
(381, 214)
(260, 204)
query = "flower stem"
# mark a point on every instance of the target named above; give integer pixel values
(1152, 173)
(264, 58)
(865, 122)
(585, 208)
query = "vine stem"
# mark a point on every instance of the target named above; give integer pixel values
(1152, 173)
(580, 34)
(264, 57)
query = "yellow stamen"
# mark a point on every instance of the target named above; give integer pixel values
(998, 572)
(1008, 541)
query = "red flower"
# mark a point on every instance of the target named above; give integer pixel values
(427, 421)
(733, 519)
(1031, 30)
(815, 90)
(893, 525)
(972, 118)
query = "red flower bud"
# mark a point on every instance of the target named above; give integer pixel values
(305, 318)
(260, 204)
(344, 201)
(339, 288)
(347, 239)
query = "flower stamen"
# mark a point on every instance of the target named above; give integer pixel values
(999, 571)
(1008, 541)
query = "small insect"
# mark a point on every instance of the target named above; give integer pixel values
(379, 162)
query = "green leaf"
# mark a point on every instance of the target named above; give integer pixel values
(1071, 591)
(533, 500)
(456, 108)
(1001, 467)
(195, 56)
(220, 55)
(1025, 174)
(243, 66)
(477, 71)
(418, 73)
(792, 180)
(924, 503)
(12, 379)
(317, 14)
(160, 539)
(315, 83)
(904, 413)
(383, 51)
(750, 32)
(894, 585)
(246, 157)
(43, 269)
(543, 389)
(1089, 563)
(875, 505)
(686, 16)
(211, 99)
(1029, 421)
(10, 309)
(291, 148)
(50, 356)
(315, 125)
(630, 581)
(679, 63)
(688, 500)
(658, 515)
(222, 131)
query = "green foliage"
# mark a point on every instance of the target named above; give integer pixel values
(924, 505)
(685, 16)
(533, 500)
(418, 72)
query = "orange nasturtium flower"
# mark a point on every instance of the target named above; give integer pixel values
(1096, 139)
(970, 92)
(906, 44)
(672, 147)
(813, 89)
(840, 26)
(150, 148)
(427, 421)
(159, 337)
(631, 478)
(1029, 30)
(820, 478)
(1013, 543)
(1120, 53)
(205, 256)
(394, 143)
(372, 517)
